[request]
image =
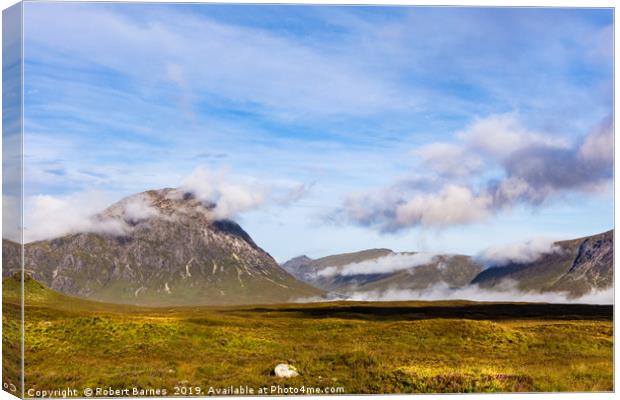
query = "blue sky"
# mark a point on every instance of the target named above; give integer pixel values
(388, 119)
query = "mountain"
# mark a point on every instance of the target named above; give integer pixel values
(163, 247)
(11, 257)
(453, 270)
(301, 267)
(160, 248)
(311, 271)
(577, 267)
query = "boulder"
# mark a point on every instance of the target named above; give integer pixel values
(285, 371)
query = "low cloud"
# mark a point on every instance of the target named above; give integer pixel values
(505, 292)
(140, 209)
(520, 166)
(521, 252)
(84, 212)
(231, 195)
(225, 194)
(381, 265)
(131, 210)
(54, 216)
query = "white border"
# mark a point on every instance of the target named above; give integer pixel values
(483, 3)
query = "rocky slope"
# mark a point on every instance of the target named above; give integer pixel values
(579, 266)
(11, 257)
(162, 247)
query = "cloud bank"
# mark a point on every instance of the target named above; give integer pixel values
(55, 216)
(521, 252)
(507, 292)
(492, 166)
(381, 265)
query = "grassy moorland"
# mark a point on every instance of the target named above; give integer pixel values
(399, 347)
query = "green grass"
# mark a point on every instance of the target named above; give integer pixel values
(401, 347)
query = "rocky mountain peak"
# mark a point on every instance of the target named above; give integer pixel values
(162, 203)
(162, 247)
(298, 261)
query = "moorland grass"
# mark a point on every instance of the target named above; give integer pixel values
(426, 347)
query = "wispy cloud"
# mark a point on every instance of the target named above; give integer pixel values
(277, 74)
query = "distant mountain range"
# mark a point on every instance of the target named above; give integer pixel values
(163, 248)
(580, 266)
(172, 253)
(455, 270)
(577, 267)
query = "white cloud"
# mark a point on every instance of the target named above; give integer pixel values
(381, 265)
(449, 159)
(139, 209)
(230, 194)
(452, 205)
(132, 209)
(390, 210)
(521, 252)
(224, 194)
(49, 216)
(507, 292)
(153, 49)
(501, 135)
(520, 167)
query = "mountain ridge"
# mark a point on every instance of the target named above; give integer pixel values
(165, 247)
(583, 264)
(556, 267)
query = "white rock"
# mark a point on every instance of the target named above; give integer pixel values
(285, 371)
